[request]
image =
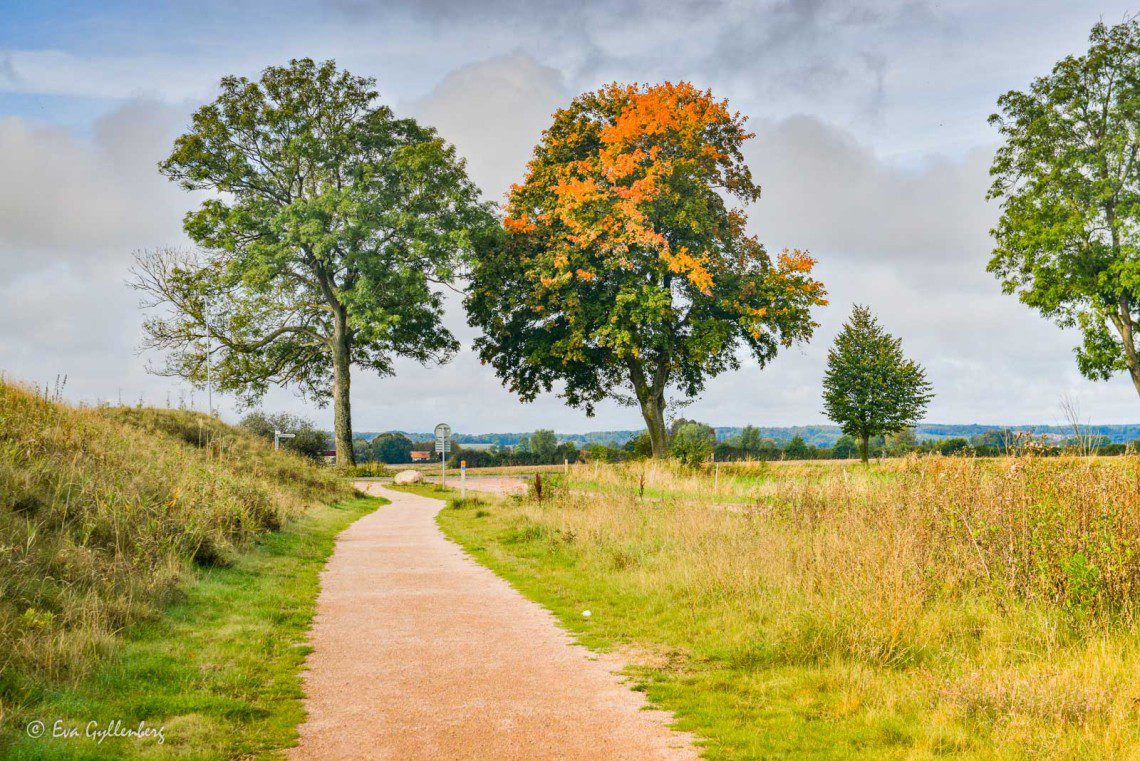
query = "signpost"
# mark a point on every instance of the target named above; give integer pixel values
(443, 448)
(279, 436)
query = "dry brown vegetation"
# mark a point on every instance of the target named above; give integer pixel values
(982, 606)
(102, 511)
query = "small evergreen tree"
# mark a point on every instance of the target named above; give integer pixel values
(870, 388)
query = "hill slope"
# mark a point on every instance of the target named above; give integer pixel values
(102, 513)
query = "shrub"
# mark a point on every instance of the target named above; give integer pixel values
(692, 443)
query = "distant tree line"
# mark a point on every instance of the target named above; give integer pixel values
(693, 442)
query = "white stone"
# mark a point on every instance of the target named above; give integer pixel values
(408, 477)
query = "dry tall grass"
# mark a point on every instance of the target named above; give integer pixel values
(1001, 592)
(103, 510)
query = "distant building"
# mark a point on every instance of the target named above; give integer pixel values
(422, 456)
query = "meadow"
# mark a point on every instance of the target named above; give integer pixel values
(915, 608)
(138, 564)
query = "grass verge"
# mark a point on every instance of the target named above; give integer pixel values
(218, 671)
(435, 491)
(943, 608)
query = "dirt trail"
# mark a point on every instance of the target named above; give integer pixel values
(420, 652)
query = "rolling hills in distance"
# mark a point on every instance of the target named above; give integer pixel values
(816, 435)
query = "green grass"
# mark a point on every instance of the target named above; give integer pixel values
(435, 491)
(738, 711)
(104, 512)
(218, 670)
(849, 614)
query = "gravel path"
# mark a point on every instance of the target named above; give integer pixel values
(420, 652)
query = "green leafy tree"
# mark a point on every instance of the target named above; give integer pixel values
(845, 448)
(953, 446)
(307, 439)
(391, 448)
(1068, 178)
(597, 452)
(623, 270)
(797, 449)
(750, 440)
(870, 388)
(692, 443)
(544, 444)
(681, 422)
(902, 441)
(326, 223)
(640, 446)
(567, 451)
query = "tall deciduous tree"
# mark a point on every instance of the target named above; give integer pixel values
(871, 388)
(328, 223)
(391, 448)
(1068, 177)
(623, 268)
(544, 444)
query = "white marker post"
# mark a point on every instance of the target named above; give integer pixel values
(442, 447)
(463, 479)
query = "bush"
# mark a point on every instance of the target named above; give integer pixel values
(307, 440)
(692, 444)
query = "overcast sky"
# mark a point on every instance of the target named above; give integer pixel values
(871, 146)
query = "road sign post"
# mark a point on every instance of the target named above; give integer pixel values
(442, 448)
(463, 479)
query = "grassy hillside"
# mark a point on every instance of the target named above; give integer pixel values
(922, 607)
(102, 514)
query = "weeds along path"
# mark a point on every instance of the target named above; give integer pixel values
(420, 652)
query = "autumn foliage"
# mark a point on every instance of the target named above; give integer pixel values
(621, 263)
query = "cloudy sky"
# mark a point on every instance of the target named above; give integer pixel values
(871, 145)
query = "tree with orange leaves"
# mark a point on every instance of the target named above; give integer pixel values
(622, 270)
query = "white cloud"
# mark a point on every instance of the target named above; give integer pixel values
(494, 111)
(58, 72)
(72, 211)
(910, 240)
(78, 197)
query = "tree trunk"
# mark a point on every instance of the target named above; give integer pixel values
(651, 399)
(864, 448)
(342, 408)
(1124, 326)
(653, 410)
